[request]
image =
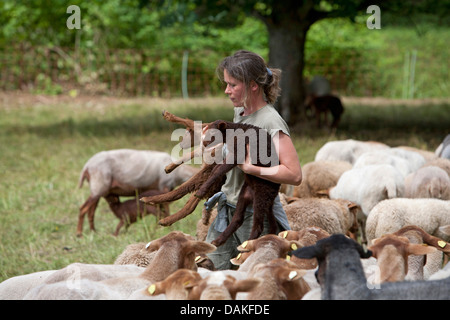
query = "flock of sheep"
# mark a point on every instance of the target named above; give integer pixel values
(368, 221)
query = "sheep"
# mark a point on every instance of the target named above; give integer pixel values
(341, 275)
(176, 286)
(281, 280)
(428, 182)
(391, 252)
(305, 237)
(368, 185)
(176, 250)
(390, 215)
(123, 171)
(219, 285)
(261, 250)
(428, 155)
(442, 163)
(17, 287)
(129, 211)
(333, 216)
(347, 150)
(385, 156)
(323, 104)
(137, 254)
(319, 175)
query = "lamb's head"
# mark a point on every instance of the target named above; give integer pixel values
(176, 286)
(176, 250)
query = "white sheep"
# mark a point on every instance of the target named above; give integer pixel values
(404, 161)
(369, 185)
(347, 150)
(390, 215)
(122, 172)
(428, 182)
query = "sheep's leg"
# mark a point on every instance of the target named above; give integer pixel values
(190, 206)
(245, 198)
(195, 153)
(90, 204)
(218, 171)
(119, 225)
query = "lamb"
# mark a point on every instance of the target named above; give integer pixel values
(129, 211)
(137, 254)
(123, 171)
(333, 216)
(341, 275)
(281, 280)
(347, 150)
(318, 176)
(176, 250)
(368, 185)
(428, 182)
(390, 215)
(208, 184)
(391, 252)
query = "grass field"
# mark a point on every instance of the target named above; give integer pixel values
(45, 141)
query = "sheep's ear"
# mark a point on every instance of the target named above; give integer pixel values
(154, 289)
(323, 192)
(289, 274)
(308, 252)
(247, 245)
(419, 249)
(153, 245)
(200, 247)
(240, 258)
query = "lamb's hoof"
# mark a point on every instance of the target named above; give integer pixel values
(217, 243)
(147, 200)
(164, 223)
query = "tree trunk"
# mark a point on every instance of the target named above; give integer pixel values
(286, 51)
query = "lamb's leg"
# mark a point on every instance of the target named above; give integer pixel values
(119, 225)
(91, 202)
(263, 207)
(218, 171)
(244, 199)
(195, 153)
(188, 123)
(190, 206)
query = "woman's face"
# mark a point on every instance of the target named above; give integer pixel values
(235, 89)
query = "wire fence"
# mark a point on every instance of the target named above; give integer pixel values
(147, 72)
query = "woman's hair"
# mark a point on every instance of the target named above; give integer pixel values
(247, 66)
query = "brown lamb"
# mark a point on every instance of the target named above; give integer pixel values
(260, 192)
(128, 211)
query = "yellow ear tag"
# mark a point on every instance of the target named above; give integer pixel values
(238, 256)
(293, 246)
(292, 275)
(285, 234)
(197, 258)
(288, 258)
(244, 244)
(442, 244)
(152, 289)
(186, 283)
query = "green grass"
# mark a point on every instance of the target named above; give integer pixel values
(45, 141)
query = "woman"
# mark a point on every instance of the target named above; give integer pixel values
(253, 89)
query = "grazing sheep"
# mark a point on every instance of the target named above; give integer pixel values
(318, 176)
(369, 185)
(442, 163)
(390, 215)
(129, 211)
(386, 156)
(281, 280)
(121, 172)
(428, 182)
(341, 275)
(175, 251)
(347, 150)
(391, 252)
(333, 216)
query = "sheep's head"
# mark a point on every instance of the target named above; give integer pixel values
(176, 286)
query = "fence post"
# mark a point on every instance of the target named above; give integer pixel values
(184, 87)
